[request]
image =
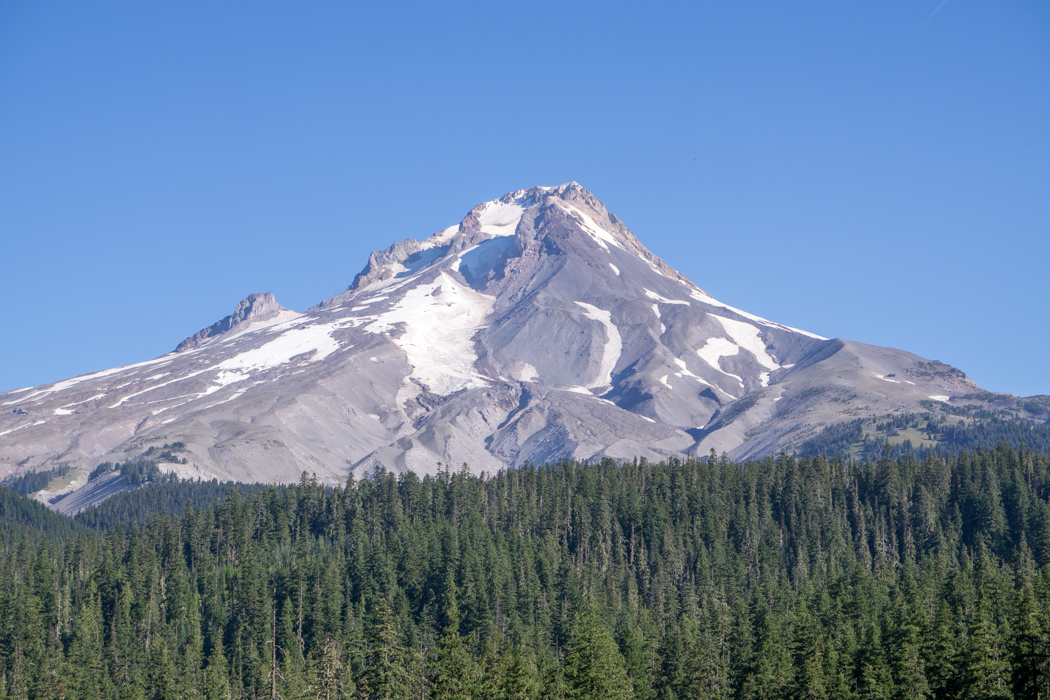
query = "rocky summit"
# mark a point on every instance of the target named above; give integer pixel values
(537, 328)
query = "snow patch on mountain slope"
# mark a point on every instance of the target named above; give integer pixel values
(613, 343)
(706, 298)
(480, 259)
(127, 398)
(501, 218)
(684, 371)
(662, 299)
(748, 337)
(714, 350)
(67, 383)
(591, 227)
(442, 236)
(440, 320)
(313, 342)
(7, 432)
(615, 269)
(315, 338)
(285, 316)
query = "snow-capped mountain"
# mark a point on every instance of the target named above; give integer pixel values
(537, 328)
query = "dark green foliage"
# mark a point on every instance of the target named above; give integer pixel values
(101, 469)
(594, 667)
(785, 578)
(31, 482)
(141, 470)
(19, 514)
(868, 439)
(169, 497)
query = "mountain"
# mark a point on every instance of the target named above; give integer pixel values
(537, 328)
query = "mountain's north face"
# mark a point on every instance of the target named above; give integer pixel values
(537, 328)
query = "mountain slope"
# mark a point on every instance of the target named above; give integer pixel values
(538, 328)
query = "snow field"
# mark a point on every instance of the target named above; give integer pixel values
(67, 383)
(501, 218)
(440, 321)
(743, 336)
(613, 343)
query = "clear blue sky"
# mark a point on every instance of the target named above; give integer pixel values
(878, 171)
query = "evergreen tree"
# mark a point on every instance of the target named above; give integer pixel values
(987, 673)
(1031, 650)
(594, 667)
(388, 667)
(216, 676)
(456, 675)
(326, 671)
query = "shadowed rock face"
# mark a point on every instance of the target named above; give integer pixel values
(538, 328)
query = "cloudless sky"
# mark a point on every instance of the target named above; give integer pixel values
(878, 171)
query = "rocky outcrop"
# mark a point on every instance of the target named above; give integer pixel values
(256, 307)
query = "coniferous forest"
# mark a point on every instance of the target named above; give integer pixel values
(782, 578)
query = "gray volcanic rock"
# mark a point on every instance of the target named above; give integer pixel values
(256, 307)
(537, 328)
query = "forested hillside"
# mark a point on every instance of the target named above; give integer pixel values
(942, 433)
(784, 578)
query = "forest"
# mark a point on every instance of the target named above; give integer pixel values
(786, 577)
(949, 430)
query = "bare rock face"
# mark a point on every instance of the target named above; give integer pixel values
(256, 307)
(537, 328)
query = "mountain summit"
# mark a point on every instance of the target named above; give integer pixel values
(537, 328)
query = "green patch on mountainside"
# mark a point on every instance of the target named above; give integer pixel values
(22, 515)
(32, 482)
(942, 430)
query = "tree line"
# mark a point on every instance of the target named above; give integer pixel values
(705, 578)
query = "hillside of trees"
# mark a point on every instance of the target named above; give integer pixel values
(31, 482)
(782, 578)
(947, 431)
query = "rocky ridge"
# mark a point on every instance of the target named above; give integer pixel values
(537, 328)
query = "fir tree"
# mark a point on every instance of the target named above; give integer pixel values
(388, 669)
(594, 667)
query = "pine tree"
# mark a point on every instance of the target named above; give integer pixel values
(767, 667)
(1030, 649)
(455, 674)
(594, 667)
(808, 655)
(216, 675)
(325, 673)
(987, 673)
(86, 672)
(906, 662)
(388, 667)
(522, 678)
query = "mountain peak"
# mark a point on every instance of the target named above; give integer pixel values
(537, 328)
(250, 310)
(535, 222)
